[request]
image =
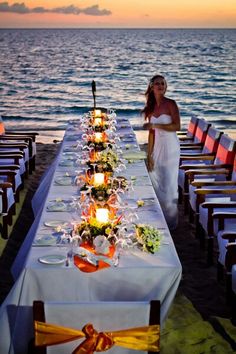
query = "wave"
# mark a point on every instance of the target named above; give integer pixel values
(23, 118)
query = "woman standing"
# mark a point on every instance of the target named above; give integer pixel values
(163, 152)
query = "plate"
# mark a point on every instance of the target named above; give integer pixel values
(138, 155)
(55, 223)
(58, 206)
(45, 240)
(66, 163)
(63, 181)
(52, 259)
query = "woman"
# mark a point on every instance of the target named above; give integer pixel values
(163, 152)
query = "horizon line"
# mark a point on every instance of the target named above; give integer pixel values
(125, 28)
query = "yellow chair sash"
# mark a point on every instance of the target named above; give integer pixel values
(141, 338)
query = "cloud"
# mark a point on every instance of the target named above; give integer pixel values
(20, 8)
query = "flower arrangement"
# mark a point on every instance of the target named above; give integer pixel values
(89, 229)
(99, 193)
(104, 191)
(100, 146)
(100, 128)
(107, 160)
(148, 237)
(99, 141)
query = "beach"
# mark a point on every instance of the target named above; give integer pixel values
(200, 300)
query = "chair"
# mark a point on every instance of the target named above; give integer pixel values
(9, 158)
(225, 230)
(193, 157)
(26, 137)
(226, 237)
(200, 135)
(212, 197)
(190, 132)
(105, 316)
(7, 207)
(220, 169)
(11, 148)
(12, 174)
(234, 288)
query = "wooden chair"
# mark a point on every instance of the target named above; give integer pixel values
(200, 135)
(68, 313)
(9, 158)
(233, 271)
(226, 236)
(212, 197)
(193, 157)
(220, 168)
(20, 137)
(12, 174)
(12, 148)
(225, 231)
(188, 135)
(7, 207)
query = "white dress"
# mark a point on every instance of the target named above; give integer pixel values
(166, 153)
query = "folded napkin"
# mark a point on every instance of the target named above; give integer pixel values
(86, 266)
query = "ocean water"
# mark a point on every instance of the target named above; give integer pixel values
(46, 74)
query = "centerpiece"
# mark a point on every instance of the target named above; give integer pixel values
(98, 121)
(99, 141)
(106, 160)
(101, 186)
(98, 229)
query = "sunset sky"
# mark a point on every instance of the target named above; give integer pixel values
(119, 13)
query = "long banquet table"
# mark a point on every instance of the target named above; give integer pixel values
(139, 276)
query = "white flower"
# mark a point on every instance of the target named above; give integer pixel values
(101, 244)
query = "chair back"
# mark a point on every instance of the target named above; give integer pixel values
(192, 127)
(2, 127)
(104, 316)
(201, 131)
(226, 151)
(212, 141)
(233, 178)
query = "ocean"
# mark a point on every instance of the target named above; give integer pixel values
(46, 74)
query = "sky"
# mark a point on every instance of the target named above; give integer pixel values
(118, 14)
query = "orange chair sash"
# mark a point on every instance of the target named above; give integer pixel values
(141, 338)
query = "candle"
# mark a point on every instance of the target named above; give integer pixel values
(102, 215)
(97, 113)
(98, 137)
(97, 121)
(98, 179)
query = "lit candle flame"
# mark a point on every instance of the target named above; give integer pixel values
(102, 215)
(97, 113)
(97, 121)
(99, 179)
(98, 137)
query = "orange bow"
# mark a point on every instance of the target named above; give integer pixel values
(142, 338)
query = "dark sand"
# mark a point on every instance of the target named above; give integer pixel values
(199, 283)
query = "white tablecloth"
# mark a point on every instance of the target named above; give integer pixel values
(138, 277)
